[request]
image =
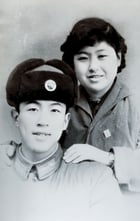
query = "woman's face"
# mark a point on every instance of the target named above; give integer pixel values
(96, 67)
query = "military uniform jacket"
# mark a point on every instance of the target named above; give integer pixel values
(52, 190)
(115, 126)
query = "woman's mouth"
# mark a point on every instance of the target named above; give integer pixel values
(95, 77)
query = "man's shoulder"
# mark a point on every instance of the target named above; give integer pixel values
(87, 171)
(5, 161)
(94, 169)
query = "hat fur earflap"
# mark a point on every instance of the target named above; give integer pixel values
(13, 84)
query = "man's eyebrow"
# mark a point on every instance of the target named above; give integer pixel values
(56, 104)
(32, 102)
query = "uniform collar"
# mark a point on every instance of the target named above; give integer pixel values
(42, 169)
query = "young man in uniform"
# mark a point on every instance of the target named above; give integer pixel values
(39, 184)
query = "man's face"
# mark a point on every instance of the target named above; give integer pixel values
(41, 124)
(96, 67)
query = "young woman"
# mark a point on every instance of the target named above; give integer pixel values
(105, 123)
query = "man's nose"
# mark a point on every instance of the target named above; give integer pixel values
(42, 124)
(43, 120)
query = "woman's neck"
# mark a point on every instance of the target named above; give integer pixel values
(98, 96)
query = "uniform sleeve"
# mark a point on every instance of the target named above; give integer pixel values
(127, 167)
(106, 201)
(127, 157)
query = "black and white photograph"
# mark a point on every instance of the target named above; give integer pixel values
(69, 110)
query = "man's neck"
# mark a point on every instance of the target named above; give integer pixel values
(36, 157)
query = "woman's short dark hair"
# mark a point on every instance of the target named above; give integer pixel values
(89, 31)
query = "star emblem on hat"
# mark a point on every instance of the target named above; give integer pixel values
(50, 85)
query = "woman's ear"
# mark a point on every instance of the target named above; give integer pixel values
(14, 115)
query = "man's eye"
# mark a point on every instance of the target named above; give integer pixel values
(32, 109)
(55, 110)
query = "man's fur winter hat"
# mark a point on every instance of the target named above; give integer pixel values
(26, 82)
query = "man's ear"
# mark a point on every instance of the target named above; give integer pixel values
(119, 55)
(67, 119)
(14, 115)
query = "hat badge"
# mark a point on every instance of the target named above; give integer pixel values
(50, 85)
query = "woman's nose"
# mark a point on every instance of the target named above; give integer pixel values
(93, 66)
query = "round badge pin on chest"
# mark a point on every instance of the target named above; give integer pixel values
(50, 85)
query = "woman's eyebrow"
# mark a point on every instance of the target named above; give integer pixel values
(101, 50)
(82, 52)
(87, 53)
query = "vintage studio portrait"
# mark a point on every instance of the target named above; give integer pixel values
(69, 110)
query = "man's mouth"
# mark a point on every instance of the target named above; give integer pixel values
(41, 134)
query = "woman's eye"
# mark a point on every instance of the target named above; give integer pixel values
(82, 58)
(102, 56)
